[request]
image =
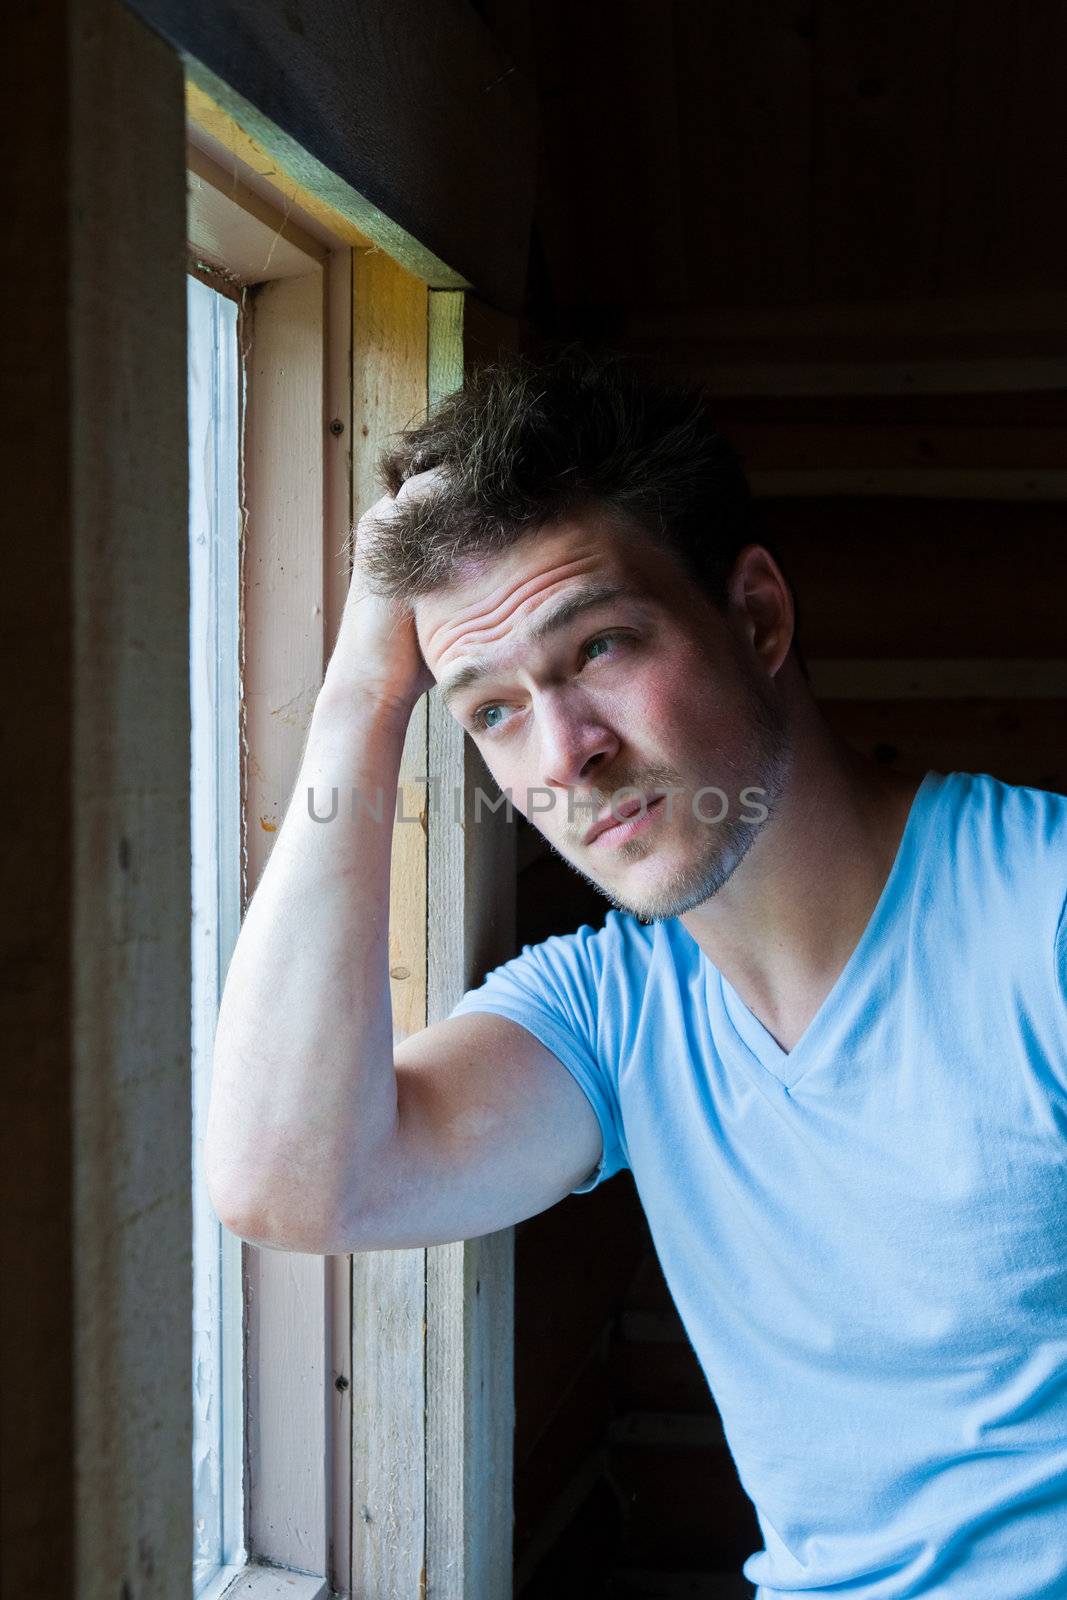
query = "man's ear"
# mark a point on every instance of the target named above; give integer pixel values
(761, 606)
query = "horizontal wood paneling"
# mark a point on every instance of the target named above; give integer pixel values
(1018, 741)
(919, 578)
(824, 150)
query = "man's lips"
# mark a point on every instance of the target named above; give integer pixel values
(611, 819)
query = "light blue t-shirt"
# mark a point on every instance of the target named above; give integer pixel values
(865, 1237)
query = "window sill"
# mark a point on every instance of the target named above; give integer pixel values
(254, 1582)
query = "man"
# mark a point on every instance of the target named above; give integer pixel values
(825, 1023)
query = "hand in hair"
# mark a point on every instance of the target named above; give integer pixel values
(377, 647)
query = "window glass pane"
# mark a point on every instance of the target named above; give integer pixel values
(214, 557)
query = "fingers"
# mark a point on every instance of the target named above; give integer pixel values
(421, 483)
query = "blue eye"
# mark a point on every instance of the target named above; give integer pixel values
(482, 720)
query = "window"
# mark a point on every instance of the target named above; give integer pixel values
(215, 385)
(102, 1086)
(327, 1389)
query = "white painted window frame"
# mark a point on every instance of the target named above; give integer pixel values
(215, 408)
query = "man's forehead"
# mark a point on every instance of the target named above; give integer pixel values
(538, 569)
(567, 605)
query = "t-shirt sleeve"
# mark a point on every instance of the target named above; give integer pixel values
(551, 989)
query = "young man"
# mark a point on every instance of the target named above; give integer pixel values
(825, 1024)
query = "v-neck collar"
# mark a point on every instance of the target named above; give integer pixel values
(729, 1010)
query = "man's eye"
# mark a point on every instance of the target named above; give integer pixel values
(481, 718)
(609, 639)
(484, 721)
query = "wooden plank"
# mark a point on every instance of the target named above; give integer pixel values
(744, 107)
(337, 444)
(37, 1528)
(389, 378)
(389, 375)
(337, 519)
(290, 1410)
(287, 1408)
(234, 227)
(610, 208)
(1018, 741)
(764, 375)
(1010, 415)
(1006, 325)
(798, 445)
(469, 1285)
(883, 578)
(914, 483)
(979, 678)
(283, 565)
(1004, 150)
(121, 451)
(338, 1496)
(403, 115)
(884, 78)
(223, 139)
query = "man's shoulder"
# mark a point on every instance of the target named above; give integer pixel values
(1006, 846)
(617, 954)
(1007, 821)
(621, 946)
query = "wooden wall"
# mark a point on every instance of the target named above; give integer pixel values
(842, 218)
(96, 1222)
(699, 151)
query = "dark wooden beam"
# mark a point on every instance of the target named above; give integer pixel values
(406, 112)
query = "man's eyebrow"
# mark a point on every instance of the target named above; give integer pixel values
(561, 616)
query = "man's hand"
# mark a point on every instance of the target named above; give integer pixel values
(377, 647)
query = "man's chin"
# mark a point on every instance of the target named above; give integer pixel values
(672, 891)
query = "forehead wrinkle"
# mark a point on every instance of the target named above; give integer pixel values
(496, 630)
(559, 617)
(503, 602)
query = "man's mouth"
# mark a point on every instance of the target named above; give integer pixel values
(613, 826)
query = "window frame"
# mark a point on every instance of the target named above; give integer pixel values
(296, 506)
(216, 827)
(392, 1369)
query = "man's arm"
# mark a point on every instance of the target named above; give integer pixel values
(318, 1138)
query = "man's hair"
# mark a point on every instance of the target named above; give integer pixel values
(527, 441)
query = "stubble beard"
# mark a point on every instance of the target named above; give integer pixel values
(722, 845)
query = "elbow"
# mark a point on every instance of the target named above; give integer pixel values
(272, 1222)
(234, 1211)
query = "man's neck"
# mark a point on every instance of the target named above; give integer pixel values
(784, 925)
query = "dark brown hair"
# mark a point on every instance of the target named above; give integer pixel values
(529, 440)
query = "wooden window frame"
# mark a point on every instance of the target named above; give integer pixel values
(389, 1372)
(99, 1433)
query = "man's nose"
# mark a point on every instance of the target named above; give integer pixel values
(576, 742)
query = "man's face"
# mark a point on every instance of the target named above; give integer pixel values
(593, 676)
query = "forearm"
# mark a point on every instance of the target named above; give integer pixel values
(303, 1086)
